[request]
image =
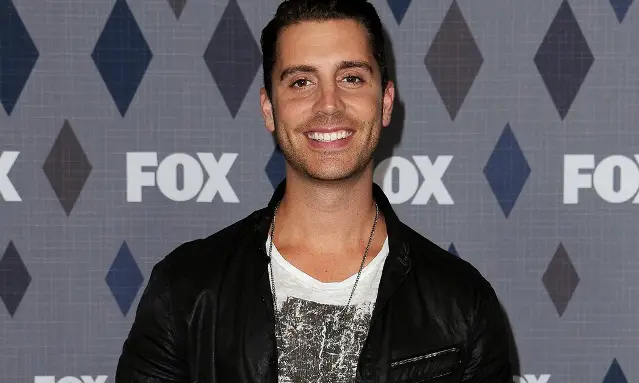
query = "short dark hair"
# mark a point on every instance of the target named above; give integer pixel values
(291, 12)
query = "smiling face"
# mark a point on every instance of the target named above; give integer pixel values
(327, 107)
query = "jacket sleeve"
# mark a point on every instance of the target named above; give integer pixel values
(489, 343)
(151, 353)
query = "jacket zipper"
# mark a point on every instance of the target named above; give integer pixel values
(421, 357)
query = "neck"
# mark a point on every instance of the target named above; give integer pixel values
(327, 216)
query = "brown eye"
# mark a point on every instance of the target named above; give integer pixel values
(300, 83)
(353, 79)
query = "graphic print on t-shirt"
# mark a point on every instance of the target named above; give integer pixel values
(321, 343)
(318, 344)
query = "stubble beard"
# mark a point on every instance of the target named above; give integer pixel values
(300, 161)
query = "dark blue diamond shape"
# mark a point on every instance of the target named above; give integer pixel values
(122, 56)
(615, 374)
(233, 57)
(275, 167)
(621, 8)
(399, 8)
(564, 59)
(14, 279)
(453, 250)
(507, 170)
(124, 279)
(18, 55)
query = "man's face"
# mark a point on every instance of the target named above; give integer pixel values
(327, 107)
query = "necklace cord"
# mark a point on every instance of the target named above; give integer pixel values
(359, 273)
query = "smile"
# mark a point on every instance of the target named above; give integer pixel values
(329, 137)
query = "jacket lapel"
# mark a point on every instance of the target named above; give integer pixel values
(398, 262)
(262, 334)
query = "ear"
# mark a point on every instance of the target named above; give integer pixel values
(387, 103)
(267, 110)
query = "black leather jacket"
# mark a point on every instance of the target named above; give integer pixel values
(206, 314)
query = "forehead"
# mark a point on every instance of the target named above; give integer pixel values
(322, 42)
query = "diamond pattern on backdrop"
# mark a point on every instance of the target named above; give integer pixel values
(507, 170)
(14, 279)
(122, 56)
(615, 374)
(453, 250)
(275, 167)
(399, 8)
(453, 60)
(120, 64)
(621, 8)
(67, 168)
(124, 279)
(18, 55)
(564, 59)
(233, 57)
(560, 279)
(177, 6)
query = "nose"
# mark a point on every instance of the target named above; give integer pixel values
(329, 100)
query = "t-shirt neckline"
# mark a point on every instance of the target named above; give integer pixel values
(310, 281)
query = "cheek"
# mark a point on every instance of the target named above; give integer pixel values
(365, 107)
(292, 113)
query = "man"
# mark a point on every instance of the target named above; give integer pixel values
(325, 284)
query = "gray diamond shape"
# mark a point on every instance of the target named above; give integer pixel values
(67, 168)
(233, 57)
(560, 279)
(564, 59)
(453, 60)
(14, 279)
(177, 6)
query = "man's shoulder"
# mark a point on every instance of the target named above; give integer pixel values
(202, 257)
(445, 269)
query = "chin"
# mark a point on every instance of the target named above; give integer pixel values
(329, 173)
(321, 168)
(330, 177)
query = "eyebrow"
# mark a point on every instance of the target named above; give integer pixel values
(310, 69)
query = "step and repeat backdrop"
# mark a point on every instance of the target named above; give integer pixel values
(130, 126)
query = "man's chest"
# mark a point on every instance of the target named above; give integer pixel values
(317, 344)
(320, 342)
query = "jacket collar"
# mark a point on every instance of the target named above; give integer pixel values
(396, 230)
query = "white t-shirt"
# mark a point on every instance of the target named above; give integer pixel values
(320, 344)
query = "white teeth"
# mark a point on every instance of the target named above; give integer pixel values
(329, 137)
